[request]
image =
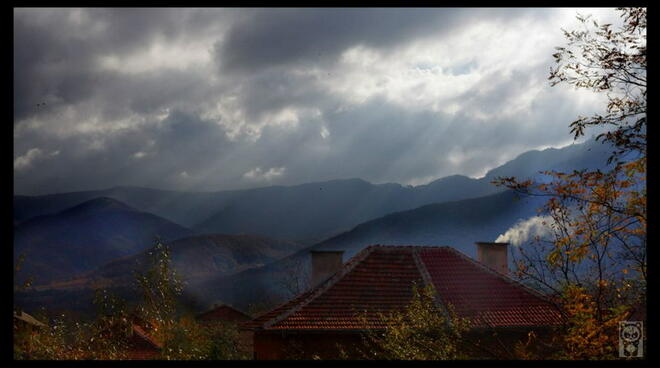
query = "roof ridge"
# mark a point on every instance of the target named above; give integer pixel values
(143, 334)
(223, 305)
(426, 277)
(313, 293)
(320, 289)
(397, 246)
(506, 278)
(25, 317)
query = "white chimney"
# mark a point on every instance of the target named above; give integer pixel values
(494, 255)
(325, 263)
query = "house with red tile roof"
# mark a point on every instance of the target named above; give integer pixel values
(380, 279)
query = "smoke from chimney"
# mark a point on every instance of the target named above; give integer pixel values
(524, 230)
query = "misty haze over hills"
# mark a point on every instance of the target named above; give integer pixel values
(86, 236)
(203, 256)
(311, 212)
(99, 237)
(457, 223)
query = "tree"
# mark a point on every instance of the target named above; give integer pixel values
(293, 276)
(595, 260)
(105, 337)
(27, 282)
(421, 331)
(190, 340)
(182, 336)
(160, 285)
(614, 62)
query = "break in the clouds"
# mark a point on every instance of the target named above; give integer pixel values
(212, 99)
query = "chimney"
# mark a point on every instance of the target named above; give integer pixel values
(494, 255)
(325, 263)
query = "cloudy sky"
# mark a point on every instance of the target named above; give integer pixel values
(213, 99)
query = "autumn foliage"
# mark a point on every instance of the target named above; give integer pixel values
(106, 337)
(421, 331)
(594, 262)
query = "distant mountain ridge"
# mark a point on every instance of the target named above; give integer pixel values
(314, 211)
(588, 155)
(85, 236)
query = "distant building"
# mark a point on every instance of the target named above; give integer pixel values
(380, 279)
(223, 313)
(227, 314)
(25, 322)
(25, 327)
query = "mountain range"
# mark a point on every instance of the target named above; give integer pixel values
(101, 236)
(309, 213)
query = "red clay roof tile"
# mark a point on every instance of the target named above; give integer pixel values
(140, 333)
(380, 279)
(484, 295)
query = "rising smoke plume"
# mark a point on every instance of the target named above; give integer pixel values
(524, 230)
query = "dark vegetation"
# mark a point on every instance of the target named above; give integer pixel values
(107, 334)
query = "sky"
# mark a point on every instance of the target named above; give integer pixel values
(216, 99)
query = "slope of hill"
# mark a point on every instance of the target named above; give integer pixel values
(186, 208)
(196, 258)
(86, 236)
(588, 155)
(202, 256)
(315, 211)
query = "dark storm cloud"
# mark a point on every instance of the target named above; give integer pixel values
(54, 57)
(278, 37)
(272, 102)
(372, 142)
(154, 155)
